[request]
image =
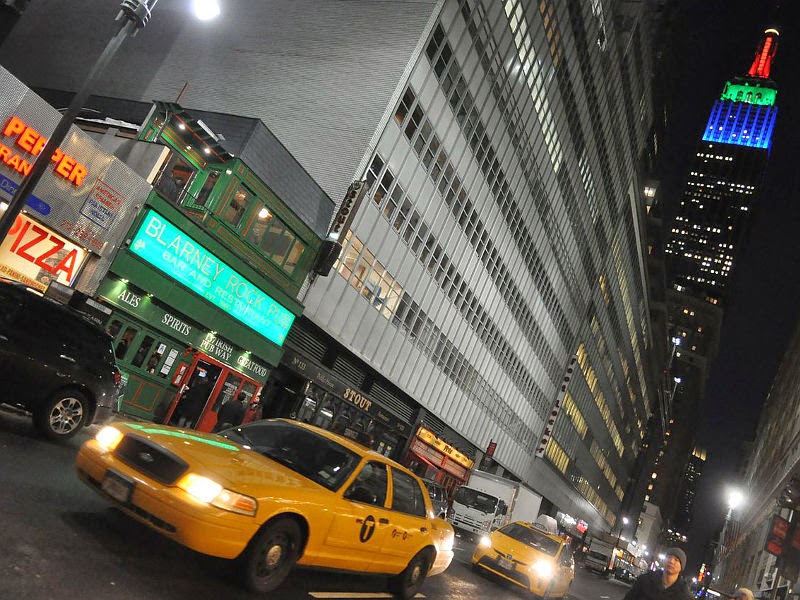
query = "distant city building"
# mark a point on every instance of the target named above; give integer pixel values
(703, 240)
(688, 490)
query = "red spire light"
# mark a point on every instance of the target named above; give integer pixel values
(766, 52)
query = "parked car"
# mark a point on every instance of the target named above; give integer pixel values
(273, 494)
(54, 362)
(438, 497)
(530, 555)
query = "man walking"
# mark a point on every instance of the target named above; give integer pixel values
(665, 584)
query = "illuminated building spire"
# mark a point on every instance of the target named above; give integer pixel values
(764, 55)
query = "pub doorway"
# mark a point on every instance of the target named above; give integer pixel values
(205, 386)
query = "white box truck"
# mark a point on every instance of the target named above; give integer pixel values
(600, 556)
(489, 501)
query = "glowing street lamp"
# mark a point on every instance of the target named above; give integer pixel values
(134, 15)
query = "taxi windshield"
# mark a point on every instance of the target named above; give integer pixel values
(303, 451)
(531, 537)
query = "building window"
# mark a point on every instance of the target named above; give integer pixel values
(236, 210)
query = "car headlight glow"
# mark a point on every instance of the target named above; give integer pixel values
(109, 437)
(485, 541)
(543, 568)
(201, 488)
(210, 492)
(448, 540)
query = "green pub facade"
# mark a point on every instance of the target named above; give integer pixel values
(204, 289)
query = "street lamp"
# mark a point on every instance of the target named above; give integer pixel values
(134, 15)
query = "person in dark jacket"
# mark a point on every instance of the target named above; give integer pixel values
(665, 584)
(231, 413)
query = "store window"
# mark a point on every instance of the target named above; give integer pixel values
(208, 187)
(236, 210)
(174, 178)
(141, 352)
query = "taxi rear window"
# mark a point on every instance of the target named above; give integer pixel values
(531, 537)
(305, 452)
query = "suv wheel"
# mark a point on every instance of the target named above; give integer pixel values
(63, 415)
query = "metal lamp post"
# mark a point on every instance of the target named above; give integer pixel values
(134, 15)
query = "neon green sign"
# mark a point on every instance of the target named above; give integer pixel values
(173, 252)
(751, 94)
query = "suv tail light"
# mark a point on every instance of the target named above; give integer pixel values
(117, 377)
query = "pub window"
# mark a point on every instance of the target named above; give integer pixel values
(144, 348)
(124, 343)
(208, 186)
(278, 241)
(237, 208)
(174, 178)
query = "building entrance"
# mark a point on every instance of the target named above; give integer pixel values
(205, 385)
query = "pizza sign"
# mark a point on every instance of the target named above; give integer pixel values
(36, 255)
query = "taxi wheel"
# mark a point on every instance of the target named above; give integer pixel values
(271, 555)
(406, 584)
(62, 415)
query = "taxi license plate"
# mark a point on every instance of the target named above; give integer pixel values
(504, 563)
(117, 486)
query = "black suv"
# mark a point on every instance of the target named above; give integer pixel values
(54, 362)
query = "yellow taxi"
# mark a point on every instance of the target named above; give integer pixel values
(272, 494)
(531, 555)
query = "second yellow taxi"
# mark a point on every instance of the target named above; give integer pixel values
(531, 555)
(272, 494)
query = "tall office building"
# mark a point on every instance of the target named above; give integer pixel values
(502, 233)
(706, 234)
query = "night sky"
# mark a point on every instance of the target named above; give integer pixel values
(721, 40)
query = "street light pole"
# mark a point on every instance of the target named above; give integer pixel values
(135, 14)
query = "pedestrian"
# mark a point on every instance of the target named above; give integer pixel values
(666, 584)
(743, 594)
(192, 403)
(231, 412)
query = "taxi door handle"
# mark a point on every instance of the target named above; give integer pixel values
(383, 521)
(423, 529)
(67, 358)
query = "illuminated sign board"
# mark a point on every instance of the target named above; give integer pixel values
(430, 438)
(173, 252)
(32, 142)
(35, 255)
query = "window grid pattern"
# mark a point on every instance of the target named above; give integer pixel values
(556, 455)
(520, 137)
(594, 386)
(574, 413)
(433, 343)
(602, 463)
(411, 114)
(422, 243)
(587, 491)
(454, 86)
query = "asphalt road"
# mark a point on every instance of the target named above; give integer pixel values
(58, 539)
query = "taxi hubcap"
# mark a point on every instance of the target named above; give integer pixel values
(415, 573)
(273, 556)
(66, 415)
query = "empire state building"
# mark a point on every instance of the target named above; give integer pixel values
(724, 179)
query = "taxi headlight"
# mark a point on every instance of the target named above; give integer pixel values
(485, 541)
(447, 542)
(210, 492)
(543, 568)
(109, 437)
